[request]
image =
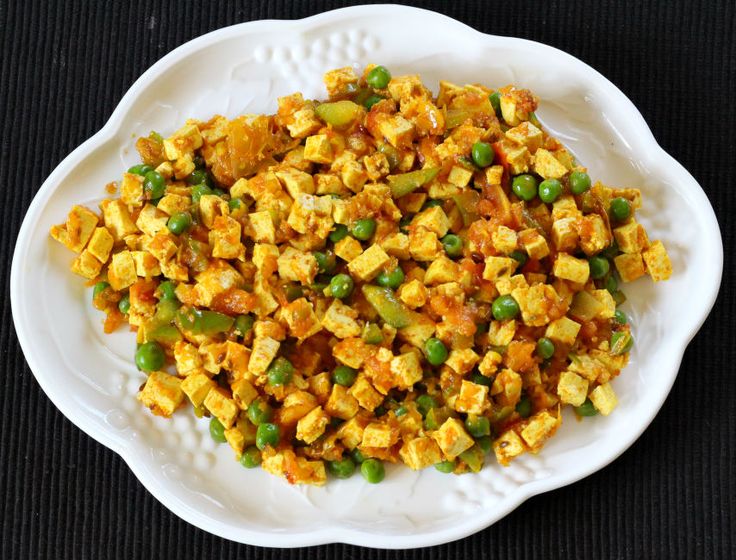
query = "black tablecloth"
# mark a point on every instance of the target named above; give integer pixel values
(65, 66)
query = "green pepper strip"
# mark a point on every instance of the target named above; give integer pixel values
(198, 321)
(407, 182)
(384, 301)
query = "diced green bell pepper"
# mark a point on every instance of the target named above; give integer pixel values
(408, 182)
(473, 457)
(202, 321)
(339, 114)
(384, 301)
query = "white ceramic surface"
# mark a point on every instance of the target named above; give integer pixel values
(92, 379)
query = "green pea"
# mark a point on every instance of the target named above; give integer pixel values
(235, 204)
(478, 426)
(372, 334)
(435, 351)
(619, 297)
(391, 279)
(371, 101)
(425, 403)
(481, 328)
(218, 192)
(167, 290)
(586, 409)
(293, 291)
(217, 430)
(378, 77)
(401, 411)
(340, 233)
(99, 288)
(485, 443)
(344, 468)
(150, 357)
(364, 229)
(525, 186)
(453, 245)
(612, 284)
(259, 412)
(404, 223)
(545, 348)
(243, 323)
(579, 182)
(611, 251)
(620, 209)
(267, 434)
(124, 304)
(620, 317)
(341, 286)
(495, 99)
(372, 470)
(431, 203)
(482, 154)
(550, 190)
(280, 371)
(179, 222)
(621, 342)
(140, 169)
(380, 410)
(344, 375)
(520, 257)
(326, 262)
(154, 184)
(357, 455)
(599, 266)
(524, 407)
(504, 307)
(445, 466)
(251, 457)
(480, 379)
(198, 191)
(200, 177)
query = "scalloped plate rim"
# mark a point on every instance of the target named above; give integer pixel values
(331, 534)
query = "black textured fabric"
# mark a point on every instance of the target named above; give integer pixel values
(65, 66)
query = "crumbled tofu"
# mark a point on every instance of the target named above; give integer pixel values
(604, 399)
(313, 425)
(656, 259)
(162, 393)
(472, 399)
(569, 268)
(339, 319)
(264, 351)
(413, 294)
(318, 149)
(630, 266)
(572, 389)
(366, 266)
(452, 438)
(563, 331)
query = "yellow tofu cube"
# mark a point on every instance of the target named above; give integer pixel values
(500, 333)
(264, 351)
(505, 240)
(172, 203)
(151, 220)
(340, 81)
(342, 404)
(243, 393)
(146, 265)
(507, 284)
(473, 398)
(406, 370)
(631, 237)
(100, 244)
(183, 142)
(162, 393)
(188, 360)
(565, 207)
(264, 255)
(441, 271)
(452, 438)
(518, 157)
(131, 189)
(312, 426)
(424, 245)
(351, 432)
(117, 219)
(396, 245)
(526, 134)
(210, 207)
(296, 182)
(433, 219)
(263, 228)
(508, 446)
(197, 386)
(366, 266)
(301, 319)
(534, 243)
(241, 434)
(329, 184)
(340, 320)
(364, 392)
(604, 399)
(79, 226)
(494, 174)
(562, 331)
(413, 294)
(594, 235)
(397, 130)
(565, 233)
(546, 165)
(657, 262)
(318, 149)
(630, 266)
(353, 176)
(174, 271)
(490, 362)
(572, 389)
(462, 360)
(312, 214)
(607, 303)
(459, 176)
(183, 167)
(498, 267)
(305, 123)
(348, 248)
(224, 238)
(540, 428)
(534, 303)
(297, 266)
(121, 273)
(506, 387)
(377, 434)
(222, 406)
(420, 453)
(569, 268)
(86, 265)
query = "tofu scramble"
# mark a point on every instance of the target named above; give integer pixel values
(385, 276)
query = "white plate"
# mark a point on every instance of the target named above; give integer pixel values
(92, 379)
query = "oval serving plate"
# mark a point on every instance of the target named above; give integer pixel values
(91, 377)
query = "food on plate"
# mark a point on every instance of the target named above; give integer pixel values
(383, 276)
